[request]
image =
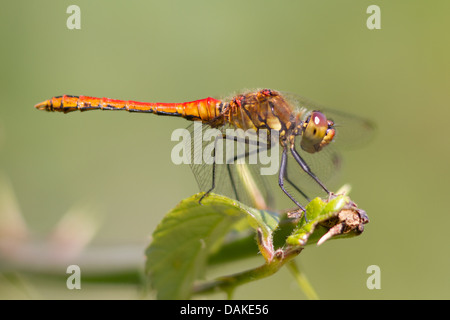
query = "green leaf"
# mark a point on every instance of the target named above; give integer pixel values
(334, 218)
(189, 233)
(317, 211)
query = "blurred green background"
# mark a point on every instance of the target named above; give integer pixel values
(170, 51)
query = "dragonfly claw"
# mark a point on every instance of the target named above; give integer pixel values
(203, 197)
(297, 214)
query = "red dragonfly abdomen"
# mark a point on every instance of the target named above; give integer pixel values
(204, 109)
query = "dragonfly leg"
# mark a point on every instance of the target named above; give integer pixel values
(282, 175)
(213, 184)
(233, 185)
(236, 157)
(262, 146)
(296, 188)
(245, 155)
(305, 168)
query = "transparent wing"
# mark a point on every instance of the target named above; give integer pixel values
(245, 183)
(232, 166)
(325, 165)
(352, 131)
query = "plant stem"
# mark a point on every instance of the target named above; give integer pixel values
(229, 283)
(302, 281)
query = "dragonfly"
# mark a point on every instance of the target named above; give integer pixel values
(301, 128)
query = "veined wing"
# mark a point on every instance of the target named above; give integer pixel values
(251, 182)
(325, 164)
(232, 162)
(352, 131)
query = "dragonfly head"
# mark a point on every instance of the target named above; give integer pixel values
(317, 132)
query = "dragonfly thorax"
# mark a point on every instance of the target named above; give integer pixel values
(263, 109)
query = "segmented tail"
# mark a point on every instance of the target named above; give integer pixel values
(204, 109)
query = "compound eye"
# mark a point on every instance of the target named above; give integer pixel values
(314, 131)
(317, 126)
(319, 121)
